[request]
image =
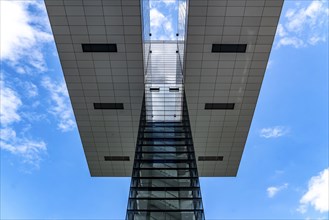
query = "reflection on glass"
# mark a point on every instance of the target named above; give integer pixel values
(164, 25)
(165, 183)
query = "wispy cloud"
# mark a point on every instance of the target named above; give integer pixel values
(162, 16)
(269, 64)
(305, 24)
(30, 150)
(274, 132)
(273, 190)
(317, 194)
(61, 107)
(161, 26)
(277, 174)
(23, 35)
(10, 103)
(159, 3)
(167, 2)
(31, 89)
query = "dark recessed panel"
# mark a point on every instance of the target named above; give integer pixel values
(211, 158)
(99, 48)
(108, 105)
(154, 89)
(229, 48)
(116, 158)
(173, 89)
(219, 106)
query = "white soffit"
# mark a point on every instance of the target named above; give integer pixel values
(226, 77)
(118, 77)
(102, 77)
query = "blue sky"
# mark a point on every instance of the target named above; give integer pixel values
(284, 169)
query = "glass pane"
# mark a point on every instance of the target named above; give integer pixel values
(165, 173)
(165, 182)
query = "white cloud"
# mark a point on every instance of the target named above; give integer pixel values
(159, 3)
(291, 41)
(23, 35)
(29, 150)
(269, 64)
(317, 194)
(316, 39)
(7, 134)
(31, 89)
(62, 108)
(156, 17)
(280, 31)
(168, 2)
(304, 25)
(161, 26)
(10, 103)
(273, 190)
(274, 132)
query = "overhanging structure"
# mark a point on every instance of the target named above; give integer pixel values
(106, 51)
(230, 76)
(102, 77)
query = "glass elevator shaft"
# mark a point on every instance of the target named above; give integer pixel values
(165, 182)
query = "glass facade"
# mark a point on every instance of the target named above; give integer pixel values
(165, 182)
(163, 82)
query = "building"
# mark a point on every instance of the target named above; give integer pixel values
(138, 102)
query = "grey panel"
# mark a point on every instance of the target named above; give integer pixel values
(119, 77)
(226, 77)
(102, 77)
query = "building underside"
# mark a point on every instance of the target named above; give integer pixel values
(139, 99)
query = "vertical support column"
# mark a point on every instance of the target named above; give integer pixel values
(165, 182)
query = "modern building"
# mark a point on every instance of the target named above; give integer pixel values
(138, 100)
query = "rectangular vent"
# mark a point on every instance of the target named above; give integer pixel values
(116, 158)
(229, 48)
(154, 89)
(211, 158)
(99, 48)
(173, 89)
(108, 105)
(219, 106)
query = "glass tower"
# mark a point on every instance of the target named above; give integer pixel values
(165, 181)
